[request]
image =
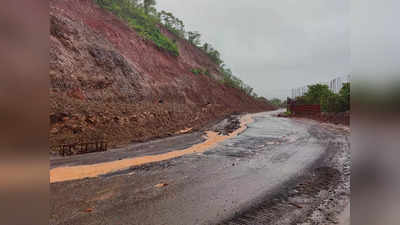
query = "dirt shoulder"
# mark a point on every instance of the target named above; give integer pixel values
(179, 140)
(95, 164)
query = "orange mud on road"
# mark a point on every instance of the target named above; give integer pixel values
(86, 171)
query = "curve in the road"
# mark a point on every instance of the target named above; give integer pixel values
(207, 188)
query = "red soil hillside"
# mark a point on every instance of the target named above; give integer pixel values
(108, 82)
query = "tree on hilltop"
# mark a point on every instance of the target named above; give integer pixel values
(148, 5)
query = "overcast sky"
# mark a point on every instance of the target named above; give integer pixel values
(273, 45)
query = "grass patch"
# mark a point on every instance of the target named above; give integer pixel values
(198, 71)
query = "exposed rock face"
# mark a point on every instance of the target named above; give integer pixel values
(108, 82)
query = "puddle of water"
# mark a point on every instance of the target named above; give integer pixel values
(86, 171)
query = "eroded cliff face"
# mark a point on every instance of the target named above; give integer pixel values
(108, 82)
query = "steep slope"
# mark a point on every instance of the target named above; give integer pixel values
(109, 83)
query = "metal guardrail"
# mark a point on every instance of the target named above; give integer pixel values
(80, 148)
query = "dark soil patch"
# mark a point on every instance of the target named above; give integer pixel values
(273, 208)
(232, 124)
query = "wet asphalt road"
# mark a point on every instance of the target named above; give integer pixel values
(203, 188)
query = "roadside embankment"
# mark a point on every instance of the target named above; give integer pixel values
(109, 83)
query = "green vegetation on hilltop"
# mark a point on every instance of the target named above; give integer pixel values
(329, 101)
(176, 26)
(173, 24)
(232, 81)
(142, 16)
(134, 14)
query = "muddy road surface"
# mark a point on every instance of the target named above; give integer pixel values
(277, 171)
